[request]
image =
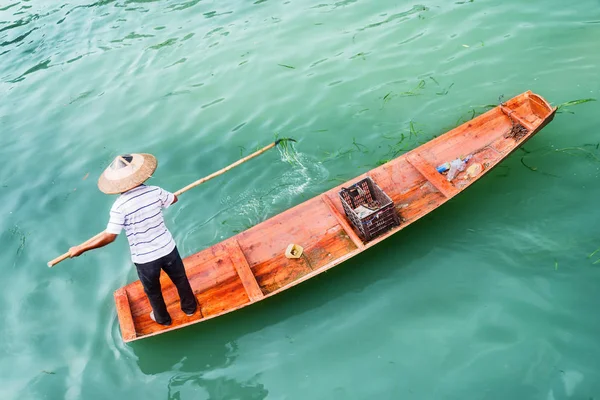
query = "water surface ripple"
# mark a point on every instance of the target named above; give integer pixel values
(493, 296)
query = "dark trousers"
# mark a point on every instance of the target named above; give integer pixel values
(149, 274)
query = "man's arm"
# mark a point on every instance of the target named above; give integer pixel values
(167, 198)
(95, 243)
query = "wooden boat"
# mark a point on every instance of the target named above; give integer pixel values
(251, 265)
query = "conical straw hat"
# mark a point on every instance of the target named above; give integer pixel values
(126, 172)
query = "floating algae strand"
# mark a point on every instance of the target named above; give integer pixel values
(564, 107)
(591, 255)
(18, 233)
(574, 151)
(288, 153)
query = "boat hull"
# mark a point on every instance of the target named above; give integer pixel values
(252, 266)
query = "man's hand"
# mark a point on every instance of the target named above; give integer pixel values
(97, 241)
(76, 251)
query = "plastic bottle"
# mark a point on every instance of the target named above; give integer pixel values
(443, 168)
(456, 166)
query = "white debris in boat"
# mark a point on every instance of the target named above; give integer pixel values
(473, 171)
(362, 211)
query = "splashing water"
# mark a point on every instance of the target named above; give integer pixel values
(300, 179)
(288, 153)
(254, 206)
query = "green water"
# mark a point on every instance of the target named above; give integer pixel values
(492, 296)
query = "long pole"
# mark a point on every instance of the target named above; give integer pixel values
(66, 255)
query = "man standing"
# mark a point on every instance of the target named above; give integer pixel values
(138, 210)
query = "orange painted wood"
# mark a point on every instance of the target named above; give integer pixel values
(538, 105)
(303, 225)
(432, 175)
(221, 279)
(281, 271)
(243, 269)
(124, 314)
(512, 114)
(205, 269)
(341, 218)
(222, 297)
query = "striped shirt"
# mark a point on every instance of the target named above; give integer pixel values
(139, 212)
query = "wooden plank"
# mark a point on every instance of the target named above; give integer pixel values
(244, 271)
(432, 175)
(343, 222)
(227, 295)
(515, 117)
(124, 314)
(302, 224)
(281, 271)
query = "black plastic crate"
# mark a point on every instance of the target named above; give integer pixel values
(370, 210)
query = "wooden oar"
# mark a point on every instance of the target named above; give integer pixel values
(190, 186)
